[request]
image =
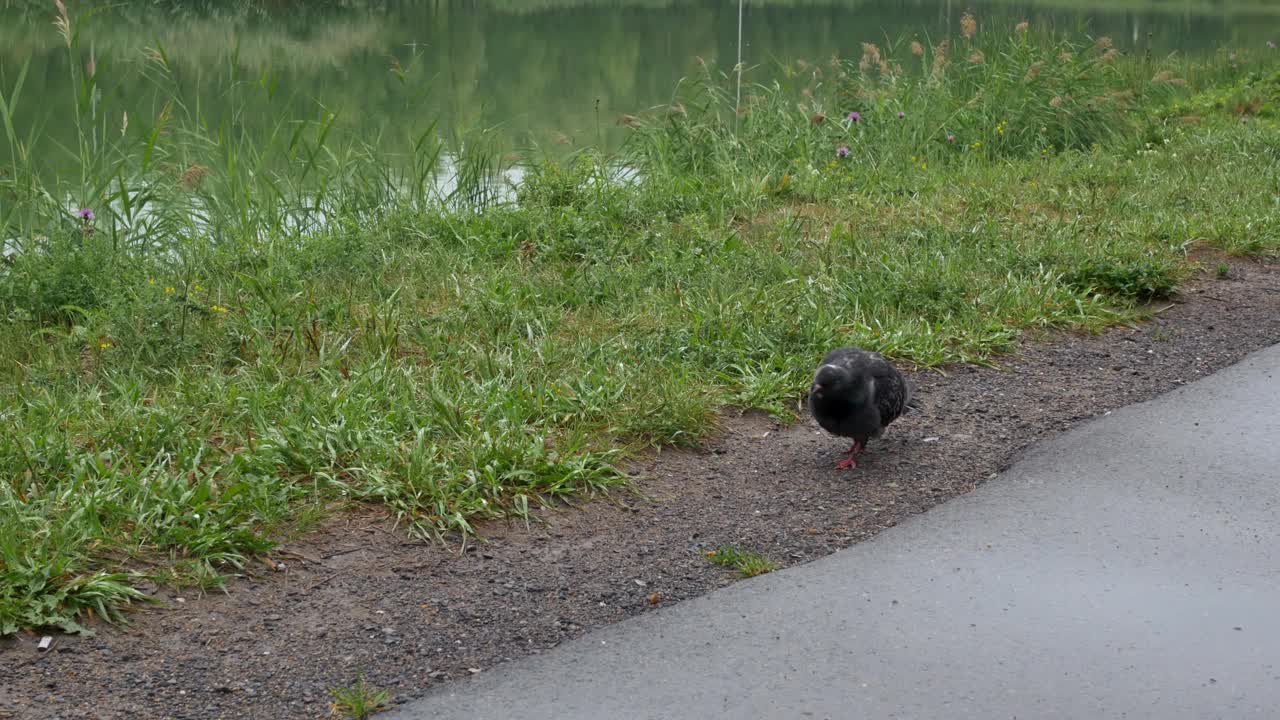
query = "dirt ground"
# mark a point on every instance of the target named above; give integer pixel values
(357, 595)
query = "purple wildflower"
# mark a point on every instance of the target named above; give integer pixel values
(86, 215)
(901, 114)
(951, 139)
(854, 117)
(842, 151)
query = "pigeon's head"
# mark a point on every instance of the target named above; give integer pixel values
(834, 380)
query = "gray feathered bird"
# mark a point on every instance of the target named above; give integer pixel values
(856, 394)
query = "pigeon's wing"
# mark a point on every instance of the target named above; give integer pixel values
(893, 393)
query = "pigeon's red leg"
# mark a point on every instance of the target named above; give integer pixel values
(851, 462)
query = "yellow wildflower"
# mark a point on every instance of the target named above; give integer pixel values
(217, 308)
(104, 345)
(168, 290)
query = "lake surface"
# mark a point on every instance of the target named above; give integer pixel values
(545, 71)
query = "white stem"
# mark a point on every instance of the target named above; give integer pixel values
(737, 105)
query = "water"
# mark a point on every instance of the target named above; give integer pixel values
(552, 72)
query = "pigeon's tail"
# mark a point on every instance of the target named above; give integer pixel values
(913, 401)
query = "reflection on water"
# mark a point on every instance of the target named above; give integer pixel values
(546, 71)
(301, 219)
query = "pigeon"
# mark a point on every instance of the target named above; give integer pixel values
(856, 394)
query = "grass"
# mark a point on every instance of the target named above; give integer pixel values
(255, 329)
(747, 563)
(358, 701)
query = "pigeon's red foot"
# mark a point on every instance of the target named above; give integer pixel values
(851, 461)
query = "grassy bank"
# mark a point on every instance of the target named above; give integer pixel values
(245, 330)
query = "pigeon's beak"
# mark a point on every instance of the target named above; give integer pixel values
(817, 389)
